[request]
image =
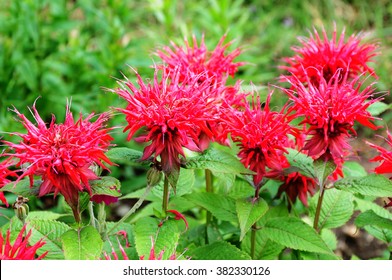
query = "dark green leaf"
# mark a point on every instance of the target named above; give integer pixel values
(23, 187)
(249, 212)
(300, 162)
(123, 154)
(323, 169)
(220, 250)
(106, 185)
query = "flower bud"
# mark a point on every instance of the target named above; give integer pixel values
(154, 176)
(21, 208)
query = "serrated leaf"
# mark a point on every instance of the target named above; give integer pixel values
(123, 154)
(353, 169)
(50, 232)
(220, 206)
(165, 239)
(114, 239)
(44, 215)
(265, 248)
(241, 189)
(329, 238)
(185, 183)
(300, 162)
(336, 210)
(373, 185)
(296, 234)
(323, 169)
(23, 187)
(378, 108)
(217, 161)
(249, 212)
(364, 205)
(220, 250)
(384, 235)
(106, 185)
(82, 244)
(369, 218)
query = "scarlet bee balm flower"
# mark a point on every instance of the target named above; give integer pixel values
(321, 54)
(4, 174)
(62, 154)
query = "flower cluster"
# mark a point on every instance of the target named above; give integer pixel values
(62, 154)
(327, 91)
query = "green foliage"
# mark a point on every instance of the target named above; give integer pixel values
(371, 185)
(82, 244)
(249, 212)
(218, 251)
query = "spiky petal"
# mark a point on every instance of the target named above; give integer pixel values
(5, 173)
(321, 54)
(62, 154)
(20, 249)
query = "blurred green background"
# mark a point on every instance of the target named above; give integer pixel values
(62, 49)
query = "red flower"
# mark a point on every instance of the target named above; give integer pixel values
(214, 65)
(154, 256)
(19, 250)
(62, 154)
(173, 115)
(330, 109)
(324, 55)
(262, 135)
(297, 185)
(4, 174)
(385, 157)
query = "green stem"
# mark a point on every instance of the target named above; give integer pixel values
(166, 193)
(132, 210)
(253, 241)
(102, 229)
(91, 213)
(209, 189)
(318, 209)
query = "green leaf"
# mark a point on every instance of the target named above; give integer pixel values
(23, 187)
(173, 177)
(369, 218)
(373, 185)
(241, 189)
(353, 169)
(220, 250)
(265, 248)
(300, 162)
(146, 231)
(44, 215)
(337, 208)
(220, 206)
(123, 154)
(364, 205)
(82, 244)
(323, 169)
(294, 233)
(50, 232)
(249, 212)
(217, 161)
(185, 183)
(329, 238)
(384, 235)
(106, 185)
(378, 108)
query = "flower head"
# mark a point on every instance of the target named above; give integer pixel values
(62, 154)
(297, 185)
(262, 135)
(172, 114)
(4, 174)
(211, 65)
(328, 55)
(20, 249)
(330, 109)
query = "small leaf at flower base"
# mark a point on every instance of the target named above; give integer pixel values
(123, 154)
(372, 185)
(249, 212)
(82, 244)
(172, 177)
(369, 218)
(323, 169)
(106, 185)
(378, 108)
(220, 250)
(51, 232)
(217, 161)
(296, 234)
(337, 208)
(185, 183)
(300, 162)
(23, 187)
(220, 206)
